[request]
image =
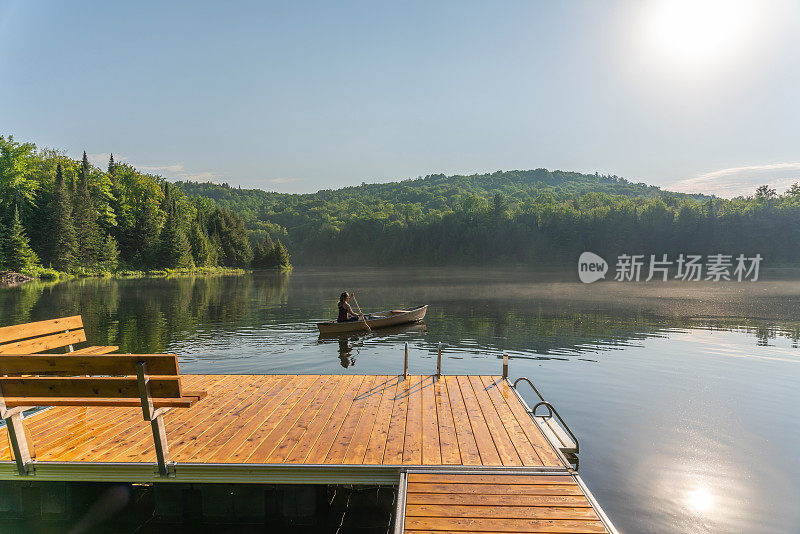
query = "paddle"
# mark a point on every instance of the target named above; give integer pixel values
(360, 313)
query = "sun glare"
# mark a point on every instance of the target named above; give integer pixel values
(693, 33)
(700, 500)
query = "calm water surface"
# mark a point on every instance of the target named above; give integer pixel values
(684, 396)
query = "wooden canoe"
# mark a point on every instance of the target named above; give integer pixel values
(376, 320)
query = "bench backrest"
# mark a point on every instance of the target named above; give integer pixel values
(60, 379)
(35, 337)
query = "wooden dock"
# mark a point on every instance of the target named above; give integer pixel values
(338, 429)
(496, 501)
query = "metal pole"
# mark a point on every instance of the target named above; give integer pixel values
(439, 361)
(405, 365)
(505, 366)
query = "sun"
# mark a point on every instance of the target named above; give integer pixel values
(697, 33)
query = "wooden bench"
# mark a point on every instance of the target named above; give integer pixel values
(151, 381)
(40, 336)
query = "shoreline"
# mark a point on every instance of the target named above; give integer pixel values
(51, 275)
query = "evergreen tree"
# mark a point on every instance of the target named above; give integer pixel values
(62, 230)
(262, 253)
(280, 256)
(109, 254)
(111, 165)
(203, 252)
(87, 232)
(18, 253)
(2, 245)
(227, 230)
(175, 251)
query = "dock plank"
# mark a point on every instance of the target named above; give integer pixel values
(497, 502)
(543, 449)
(323, 441)
(448, 438)
(380, 430)
(349, 424)
(502, 442)
(519, 440)
(467, 445)
(483, 499)
(412, 444)
(249, 419)
(480, 428)
(332, 389)
(502, 512)
(357, 448)
(431, 446)
(499, 489)
(182, 426)
(393, 454)
(472, 524)
(260, 442)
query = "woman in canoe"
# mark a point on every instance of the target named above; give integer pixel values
(346, 313)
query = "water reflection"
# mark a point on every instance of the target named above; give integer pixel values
(682, 396)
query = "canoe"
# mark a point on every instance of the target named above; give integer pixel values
(417, 327)
(376, 320)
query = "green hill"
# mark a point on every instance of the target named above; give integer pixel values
(538, 216)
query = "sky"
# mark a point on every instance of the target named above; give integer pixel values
(690, 95)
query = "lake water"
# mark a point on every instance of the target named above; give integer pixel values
(684, 396)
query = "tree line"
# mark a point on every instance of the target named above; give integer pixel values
(69, 216)
(538, 218)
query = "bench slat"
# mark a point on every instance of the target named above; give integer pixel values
(39, 344)
(182, 402)
(104, 387)
(75, 363)
(96, 349)
(39, 328)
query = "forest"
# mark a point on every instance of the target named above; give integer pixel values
(59, 215)
(63, 215)
(538, 218)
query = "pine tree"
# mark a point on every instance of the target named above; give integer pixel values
(281, 256)
(86, 230)
(111, 166)
(18, 252)
(63, 232)
(227, 231)
(2, 245)
(203, 252)
(109, 254)
(175, 251)
(262, 254)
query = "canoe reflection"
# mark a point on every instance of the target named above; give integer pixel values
(353, 341)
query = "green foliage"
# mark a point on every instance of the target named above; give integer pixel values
(64, 244)
(84, 221)
(203, 253)
(269, 255)
(87, 232)
(532, 217)
(227, 232)
(175, 251)
(280, 256)
(109, 255)
(3, 231)
(42, 273)
(17, 185)
(18, 254)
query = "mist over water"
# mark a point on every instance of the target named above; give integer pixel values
(683, 395)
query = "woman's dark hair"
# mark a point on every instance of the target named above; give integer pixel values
(343, 296)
